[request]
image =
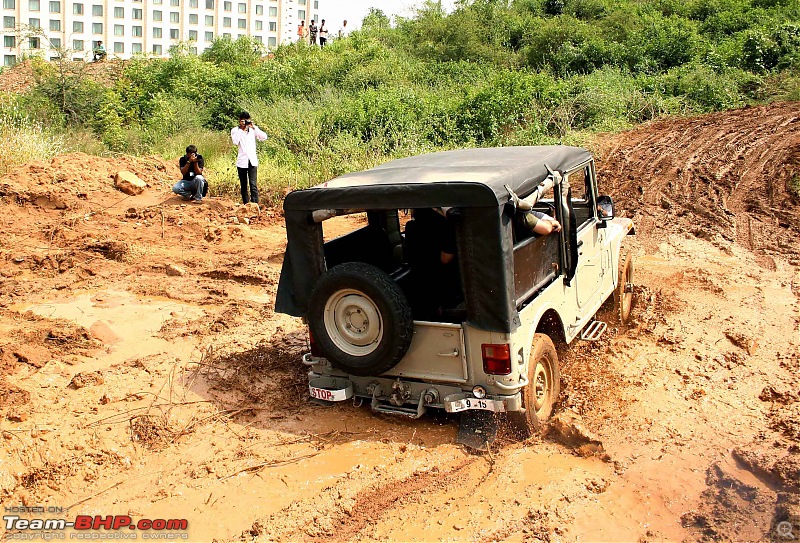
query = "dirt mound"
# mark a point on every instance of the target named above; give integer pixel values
(69, 181)
(21, 77)
(734, 174)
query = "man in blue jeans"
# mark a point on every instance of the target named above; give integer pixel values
(245, 136)
(193, 186)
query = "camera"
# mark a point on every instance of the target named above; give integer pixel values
(248, 121)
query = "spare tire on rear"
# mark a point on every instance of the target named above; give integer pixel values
(360, 319)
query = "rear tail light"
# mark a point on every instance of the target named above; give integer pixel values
(496, 358)
(315, 352)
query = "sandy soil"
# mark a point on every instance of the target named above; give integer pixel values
(143, 371)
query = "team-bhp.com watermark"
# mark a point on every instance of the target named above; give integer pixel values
(110, 527)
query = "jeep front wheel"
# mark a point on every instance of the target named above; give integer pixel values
(360, 319)
(623, 294)
(544, 383)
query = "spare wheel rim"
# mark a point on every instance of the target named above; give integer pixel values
(353, 322)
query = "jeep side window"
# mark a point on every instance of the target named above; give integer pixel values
(580, 184)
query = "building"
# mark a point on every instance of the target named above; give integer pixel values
(131, 27)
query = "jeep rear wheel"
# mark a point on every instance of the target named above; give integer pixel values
(623, 295)
(544, 385)
(360, 319)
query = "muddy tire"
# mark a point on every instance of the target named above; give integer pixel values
(623, 294)
(544, 386)
(360, 319)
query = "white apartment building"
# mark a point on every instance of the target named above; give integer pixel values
(130, 27)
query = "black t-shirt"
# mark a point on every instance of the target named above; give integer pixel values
(190, 174)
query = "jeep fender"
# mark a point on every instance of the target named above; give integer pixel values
(547, 321)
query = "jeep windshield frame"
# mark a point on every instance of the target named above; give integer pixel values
(473, 182)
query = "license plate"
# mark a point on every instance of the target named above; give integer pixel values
(328, 395)
(472, 403)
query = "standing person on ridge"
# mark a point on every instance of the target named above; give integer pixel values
(344, 31)
(245, 136)
(323, 33)
(301, 31)
(312, 32)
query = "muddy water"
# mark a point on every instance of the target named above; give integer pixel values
(126, 324)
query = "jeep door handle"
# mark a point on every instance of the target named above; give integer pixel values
(454, 353)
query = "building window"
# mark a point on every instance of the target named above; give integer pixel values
(119, 47)
(157, 32)
(55, 25)
(9, 60)
(157, 16)
(193, 18)
(136, 14)
(273, 26)
(209, 36)
(136, 31)
(9, 22)
(259, 25)
(259, 10)
(77, 9)
(301, 2)
(273, 11)
(136, 48)
(258, 39)
(226, 35)
(301, 14)
(272, 41)
(77, 27)
(119, 30)
(35, 24)
(174, 17)
(174, 2)
(209, 4)
(33, 5)
(316, 4)
(97, 11)
(9, 4)
(77, 45)
(55, 7)
(158, 2)
(173, 34)
(157, 49)
(193, 50)
(242, 8)
(193, 35)
(97, 28)
(226, 22)
(9, 41)
(209, 20)
(33, 43)
(192, 3)
(242, 23)
(119, 13)
(55, 43)
(227, 6)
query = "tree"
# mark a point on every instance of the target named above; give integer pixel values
(376, 19)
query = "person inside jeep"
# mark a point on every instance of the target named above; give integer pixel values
(430, 242)
(539, 223)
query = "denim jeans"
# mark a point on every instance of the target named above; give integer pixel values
(252, 173)
(192, 188)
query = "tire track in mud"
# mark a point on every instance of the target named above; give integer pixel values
(724, 174)
(338, 514)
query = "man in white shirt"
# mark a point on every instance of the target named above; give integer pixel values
(245, 136)
(344, 31)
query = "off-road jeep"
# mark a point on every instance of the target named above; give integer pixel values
(444, 299)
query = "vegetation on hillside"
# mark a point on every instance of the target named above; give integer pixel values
(493, 72)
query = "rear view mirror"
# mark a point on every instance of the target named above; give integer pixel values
(605, 208)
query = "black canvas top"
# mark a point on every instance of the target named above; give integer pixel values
(465, 177)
